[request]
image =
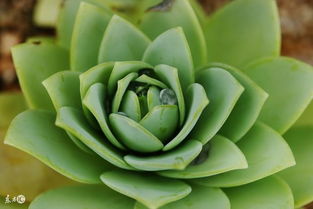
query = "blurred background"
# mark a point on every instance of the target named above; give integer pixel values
(20, 19)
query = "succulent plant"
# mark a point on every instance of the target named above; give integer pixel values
(167, 107)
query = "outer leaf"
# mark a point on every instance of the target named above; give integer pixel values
(200, 198)
(63, 89)
(90, 24)
(171, 48)
(152, 191)
(300, 177)
(248, 107)
(82, 197)
(266, 152)
(176, 159)
(13, 161)
(172, 14)
(122, 41)
(219, 156)
(80, 144)
(133, 135)
(290, 86)
(267, 193)
(46, 13)
(254, 28)
(73, 121)
(67, 18)
(34, 63)
(199, 11)
(197, 102)
(223, 91)
(39, 177)
(34, 132)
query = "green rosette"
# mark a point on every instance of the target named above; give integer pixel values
(163, 107)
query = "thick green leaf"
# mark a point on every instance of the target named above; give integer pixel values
(169, 75)
(13, 161)
(97, 74)
(269, 193)
(152, 191)
(34, 62)
(197, 101)
(300, 177)
(74, 122)
(266, 152)
(80, 144)
(219, 156)
(34, 132)
(248, 107)
(171, 48)
(82, 197)
(223, 91)
(94, 100)
(289, 84)
(133, 135)
(200, 198)
(161, 121)
(63, 89)
(130, 105)
(173, 14)
(122, 86)
(153, 97)
(11, 104)
(90, 24)
(178, 158)
(121, 69)
(243, 31)
(151, 81)
(122, 41)
(199, 11)
(66, 19)
(46, 13)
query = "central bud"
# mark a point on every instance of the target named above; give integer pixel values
(147, 107)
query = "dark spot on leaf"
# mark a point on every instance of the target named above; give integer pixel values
(164, 6)
(202, 157)
(36, 42)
